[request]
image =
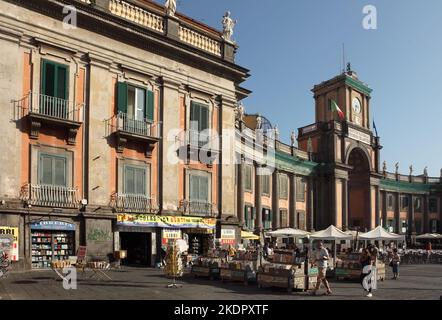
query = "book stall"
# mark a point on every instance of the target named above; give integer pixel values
(242, 268)
(287, 271)
(348, 267)
(209, 266)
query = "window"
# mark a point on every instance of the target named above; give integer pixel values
(404, 202)
(137, 103)
(432, 205)
(198, 188)
(390, 225)
(418, 205)
(300, 189)
(283, 186)
(199, 121)
(52, 170)
(267, 218)
(134, 180)
(54, 89)
(390, 201)
(418, 226)
(249, 217)
(300, 216)
(284, 218)
(248, 173)
(265, 184)
(434, 226)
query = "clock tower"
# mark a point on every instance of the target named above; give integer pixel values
(348, 152)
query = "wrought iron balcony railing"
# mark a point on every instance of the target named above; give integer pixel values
(197, 208)
(50, 196)
(136, 203)
(49, 107)
(123, 122)
(198, 140)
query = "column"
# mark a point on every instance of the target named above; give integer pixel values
(384, 209)
(426, 221)
(240, 204)
(397, 214)
(275, 200)
(440, 213)
(292, 202)
(377, 208)
(345, 204)
(310, 203)
(411, 224)
(258, 222)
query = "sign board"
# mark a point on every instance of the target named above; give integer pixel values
(168, 222)
(53, 225)
(228, 236)
(12, 233)
(170, 234)
(359, 136)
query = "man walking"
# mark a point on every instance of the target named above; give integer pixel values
(321, 257)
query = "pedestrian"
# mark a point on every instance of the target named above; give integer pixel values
(429, 250)
(394, 263)
(365, 260)
(321, 258)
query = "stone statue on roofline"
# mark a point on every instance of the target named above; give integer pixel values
(228, 25)
(411, 170)
(258, 122)
(426, 172)
(293, 138)
(384, 166)
(240, 111)
(170, 7)
(276, 132)
(397, 167)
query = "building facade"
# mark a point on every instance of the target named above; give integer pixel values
(123, 128)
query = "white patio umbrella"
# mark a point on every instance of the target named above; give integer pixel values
(429, 236)
(379, 233)
(331, 233)
(289, 233)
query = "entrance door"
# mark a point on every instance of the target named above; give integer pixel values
(138, 247)
(359, 190)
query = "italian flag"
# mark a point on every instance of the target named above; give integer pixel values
(335, 108)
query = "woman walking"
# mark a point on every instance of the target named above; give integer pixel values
(394, 263)
(365, 260)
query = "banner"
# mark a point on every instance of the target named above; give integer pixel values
(53, 225)
(170, 222)
(228, 236)
(170, 234)
(13, 232)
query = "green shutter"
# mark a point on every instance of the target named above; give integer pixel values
(246, 214)
(204, 189)
(59, 171)
(45, 168)
(194, 116)
(150, 105)
(204, 118)
(140, 181)
(122, 97)
(193, 187)
(129, 179)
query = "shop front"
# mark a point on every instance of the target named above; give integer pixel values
(51, 240)
(157, 232)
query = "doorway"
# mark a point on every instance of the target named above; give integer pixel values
(359, 191)
(138, 247)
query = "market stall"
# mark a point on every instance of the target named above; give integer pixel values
(288, 270)
(209, 266)
(242, 268)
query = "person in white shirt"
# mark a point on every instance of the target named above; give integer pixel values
(321, 259)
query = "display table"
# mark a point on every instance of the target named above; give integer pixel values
(348, 267)
(239, 275)
(207, 267)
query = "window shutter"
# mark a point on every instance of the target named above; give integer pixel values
(140, 181)
(246, 213)
(45, 170)
(193, 188)
(129, 179)
(204, 122)
(150, 105)
(59, 174)
(61, 82)
(204, 189)
(48, 78)
(122, 97)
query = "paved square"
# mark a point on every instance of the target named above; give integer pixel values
(416, 282)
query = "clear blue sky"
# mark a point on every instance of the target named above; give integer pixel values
(290, 45)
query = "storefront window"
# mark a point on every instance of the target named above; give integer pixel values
(432, 205)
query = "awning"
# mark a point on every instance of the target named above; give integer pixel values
(249, 236)
(380, 234)
(331, 233)
(429, 236)
(289, 232)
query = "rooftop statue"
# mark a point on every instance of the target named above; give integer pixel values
(293, 139)
(170, 7)
(228, 25)
(411, 170)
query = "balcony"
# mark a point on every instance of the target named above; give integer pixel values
(50, 196)
(133, 203)
(126, 127)
(197, 209)
(198, 146)
(40, 109)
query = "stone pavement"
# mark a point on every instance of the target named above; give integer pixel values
(416, 282)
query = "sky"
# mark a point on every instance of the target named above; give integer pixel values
(291, 45)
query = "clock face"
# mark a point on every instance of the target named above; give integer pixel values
(356, 105)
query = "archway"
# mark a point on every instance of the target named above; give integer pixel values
(359, 190)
